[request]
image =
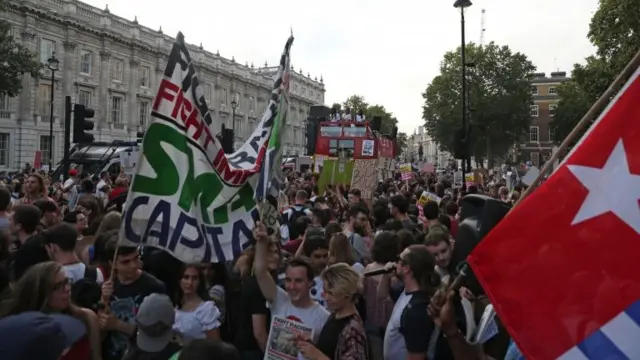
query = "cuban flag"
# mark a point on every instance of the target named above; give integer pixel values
(617, 340)
(560, 268)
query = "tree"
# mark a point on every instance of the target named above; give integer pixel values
(401, 143)
(356, 103)
(499, 99)
(615, 31)
(15, 60)
(337, 106)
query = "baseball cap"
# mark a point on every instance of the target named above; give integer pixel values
(155, 322)
(51, 335)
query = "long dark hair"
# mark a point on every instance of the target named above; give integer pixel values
(201, 290)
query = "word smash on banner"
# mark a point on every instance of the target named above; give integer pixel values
(187, 196)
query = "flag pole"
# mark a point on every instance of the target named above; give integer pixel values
(595, 109)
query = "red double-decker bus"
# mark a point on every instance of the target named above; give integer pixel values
(355, 139)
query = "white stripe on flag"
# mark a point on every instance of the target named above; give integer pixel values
(573, 354)
(624, 333)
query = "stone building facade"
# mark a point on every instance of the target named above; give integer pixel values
(114, 66)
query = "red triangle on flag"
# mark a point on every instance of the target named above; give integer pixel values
(562, 263)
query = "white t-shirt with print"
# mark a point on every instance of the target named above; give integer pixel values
(314, 317)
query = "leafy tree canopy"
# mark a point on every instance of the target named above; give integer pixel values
(615, 32)
(15, 60)
(499, 99)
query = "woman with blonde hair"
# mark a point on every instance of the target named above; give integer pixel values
(343, 336)
(46, 288)
(341, 251)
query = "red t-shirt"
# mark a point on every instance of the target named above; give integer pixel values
(292, 246)
(454, 227)
(117, 191)
(79, 351)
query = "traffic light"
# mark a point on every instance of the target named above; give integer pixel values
(311, 134)
(459, 144)
(227, 141)
(81, 125)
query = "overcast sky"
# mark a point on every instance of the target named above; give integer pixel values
(387, 51)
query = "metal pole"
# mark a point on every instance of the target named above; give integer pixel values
(464, 99)
(67, 136)
(53, 72)
(233, 127)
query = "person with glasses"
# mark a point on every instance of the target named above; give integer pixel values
(411, 333)
(122, 296)
(357, 220)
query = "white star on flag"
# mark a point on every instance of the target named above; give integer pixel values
(611, 188)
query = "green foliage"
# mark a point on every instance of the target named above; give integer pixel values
(15, 60)
(615, 31)
(401, 143)
(499, 99)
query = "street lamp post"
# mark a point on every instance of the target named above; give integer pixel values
(462, 5)
(234, 105)
(52, 65)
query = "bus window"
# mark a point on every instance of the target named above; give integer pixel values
(360, 131)
(331, 131)
(347, 145)
(114, 169)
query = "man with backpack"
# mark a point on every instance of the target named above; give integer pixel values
(288, 230)
(60, 242)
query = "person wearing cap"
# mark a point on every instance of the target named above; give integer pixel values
(35, 335)
(153, 339)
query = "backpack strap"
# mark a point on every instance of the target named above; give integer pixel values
(91, 273)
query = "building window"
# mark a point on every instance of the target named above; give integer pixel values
(118, 70)
(552, 90)
(44, 100)
(84, 98)
(534, 90)
(252, 104)
(116, 112)
(45, 146)
(86, 59)
(145, 72)
(534, 110)
(552, 109)
(4, 102)
(535, 158)
(206, 90)
(224, 99)
(534, 134)
(144, 114)
(47, 48)
(4, 150)
(552, 135)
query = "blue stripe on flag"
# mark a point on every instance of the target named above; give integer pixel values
(598, 347)
(634, 312)
(617, 339)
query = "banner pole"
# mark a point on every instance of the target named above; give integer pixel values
(595, 109)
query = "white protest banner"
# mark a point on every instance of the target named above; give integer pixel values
(187, 196)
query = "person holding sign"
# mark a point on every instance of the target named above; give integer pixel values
(294, 303)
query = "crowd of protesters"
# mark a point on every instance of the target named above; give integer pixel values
(69, 289)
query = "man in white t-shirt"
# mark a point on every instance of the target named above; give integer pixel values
(61, 241)
(295, 303)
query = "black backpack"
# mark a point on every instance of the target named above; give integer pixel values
(291, 222)
(86, 292)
